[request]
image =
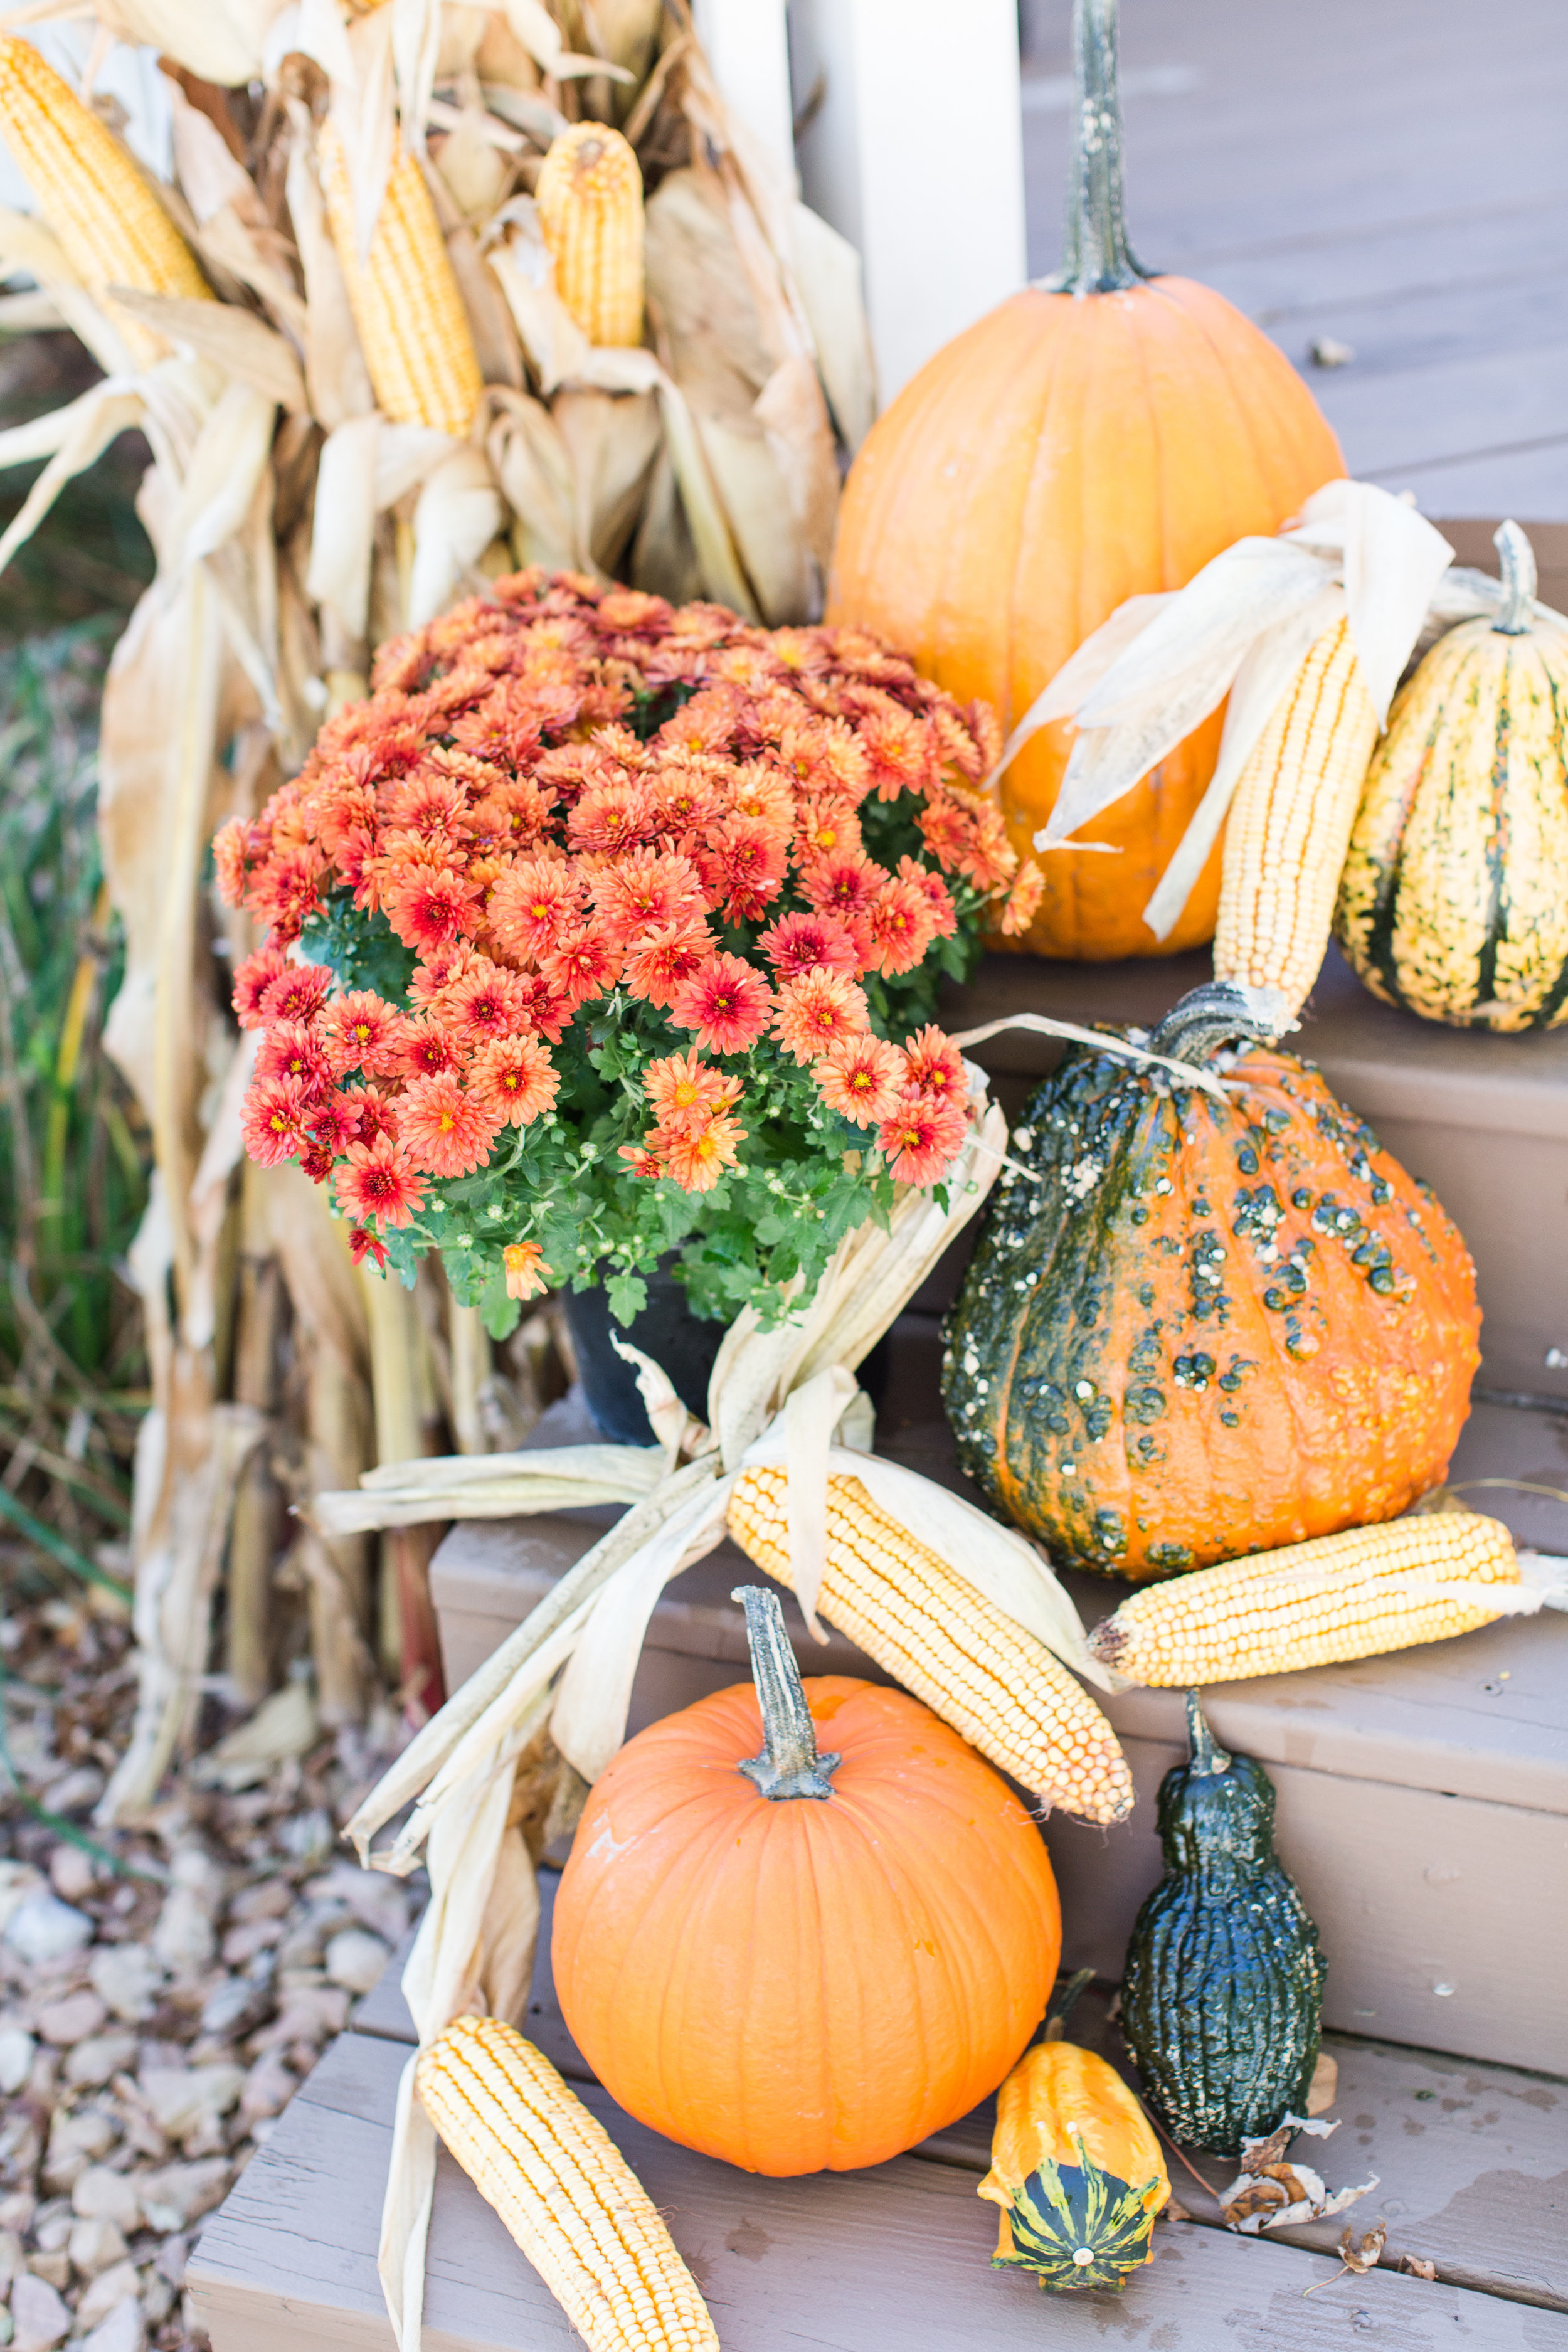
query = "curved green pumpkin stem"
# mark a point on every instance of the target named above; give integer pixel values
(1096, 258)
(789, 1765)
(1517, 581)
(1208, 1755)
(1218, 1013)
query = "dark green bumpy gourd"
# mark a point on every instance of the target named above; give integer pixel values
(1222, 1998)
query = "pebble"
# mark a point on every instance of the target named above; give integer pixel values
(94, 2246)
(37, 2314)
(356, 1958)
(99, 2195)
(43, 1929)
(126, 1979)
(178, 2194)
(122, 2332)
(17, 2047)
(97, 2060)
(66, 2021)
(71, 1873)
(269, 2088)
(13, 2257)
(102, 2294)
(186, 2100)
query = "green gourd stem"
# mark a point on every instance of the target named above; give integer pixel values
(1217, 1014)
(1208, 1755)
(1096, 257)
(1517, 581)
(789, 1765)
(1063, 2001)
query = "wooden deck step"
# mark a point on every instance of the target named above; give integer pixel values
(1423, 1797)
(1473, 2164)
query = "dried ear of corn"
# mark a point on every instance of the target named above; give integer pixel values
(110, 227)
(412, 328)
(590, 209)
(1352, 1595)
(564, 2188)
(944, 1642)
(1289, 824)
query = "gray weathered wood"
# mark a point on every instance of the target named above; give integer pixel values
(1390, 176)
(893, 2259)
(1472, 2160)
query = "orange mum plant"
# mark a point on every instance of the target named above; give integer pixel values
(606, 927)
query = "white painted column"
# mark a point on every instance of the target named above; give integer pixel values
(748, 49)
(915, 153)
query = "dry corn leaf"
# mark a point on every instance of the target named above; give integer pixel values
(210, 175)
(663, 553)
(27, 245)
(708, 315)
(222, 41)
(342, 536)
(243, 345)
(793, 413)
(335, 372)
(456, 516)
(828, 274)
(78, 437)
(531, 462)
(611, 441)
(754, 494)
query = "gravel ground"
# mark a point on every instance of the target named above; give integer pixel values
(156, 2014)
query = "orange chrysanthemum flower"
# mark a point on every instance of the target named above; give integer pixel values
(818, 1011)
(744, 863)
(426, 1049)
(845, 884)
(641, 1161)
(911, 1139)
(1019, 907)
(938, 896)
(534, 904)
(727, 1002)
(581, 968)
(362, 1032)
(612, 817)
(685, 1094)
(427, 906)
(863, 1077)
(515, 1078)
(484, 1003)
(643, 891)
(900, 926)
(659, 963)
(379, 1179)
(252, 979)
(291, 1049)
(826, 828)
(934, 1067)
(524, 1265)
(276, 1119)
(798, 943)
(446, 1131)
(696, 1161)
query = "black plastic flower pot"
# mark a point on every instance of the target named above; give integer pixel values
(667, 1330)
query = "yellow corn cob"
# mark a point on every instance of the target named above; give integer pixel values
(564, 2188)
(110, 227)
(407, 307)
(1353, 1595)
(948, 1644)
(590, 209)
(1289, 824)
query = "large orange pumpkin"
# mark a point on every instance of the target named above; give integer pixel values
(1195, 1327)
(1097, 439)
(797, 1962)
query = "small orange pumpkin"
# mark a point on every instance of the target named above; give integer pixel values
(1096, 438)
(799, 1961)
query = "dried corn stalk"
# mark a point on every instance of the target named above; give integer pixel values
(296, 522)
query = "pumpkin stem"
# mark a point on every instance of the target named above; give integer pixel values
(1217, 1014)
(1517, 581)
(789, 1765)
(1208, 1755)
(1096, 258)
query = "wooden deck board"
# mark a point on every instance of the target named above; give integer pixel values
(890, 2260)
(1390, 176)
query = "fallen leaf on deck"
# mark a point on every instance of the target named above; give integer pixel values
(1266, 2190)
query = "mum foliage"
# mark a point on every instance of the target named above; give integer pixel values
(607, 928)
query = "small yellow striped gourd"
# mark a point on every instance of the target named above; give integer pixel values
(407, 303)
(110, 227)
(564, 2190)
(590, 210)
(1352, 1595)
(940, 1638)
(1454, 901)
(1291, 821)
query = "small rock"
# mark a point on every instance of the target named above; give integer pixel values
(243, 1943)
(71, 1874)
(18, 2209)
(127, 1977)
(96, 2062)
(234, 2004)
(269, 1898)
(378, 1901)
(75, 2142)
(308, 2014)
(356, 1958)
(184, 1939)
(171, 2260)
(177, 2194)
(307, 1835)
(269, 2088)
(83, 1786)
(100, 2195)
(37, 2314)
(122, 2332)
(110, 2287)
(54, 2269)
(12, 2259)
(66, 2023)
(53, 2227)
(42, 1928)
(16, 2047)
(17, 1881)
(184, 2100)
(95, 2246)
(158, 2300)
